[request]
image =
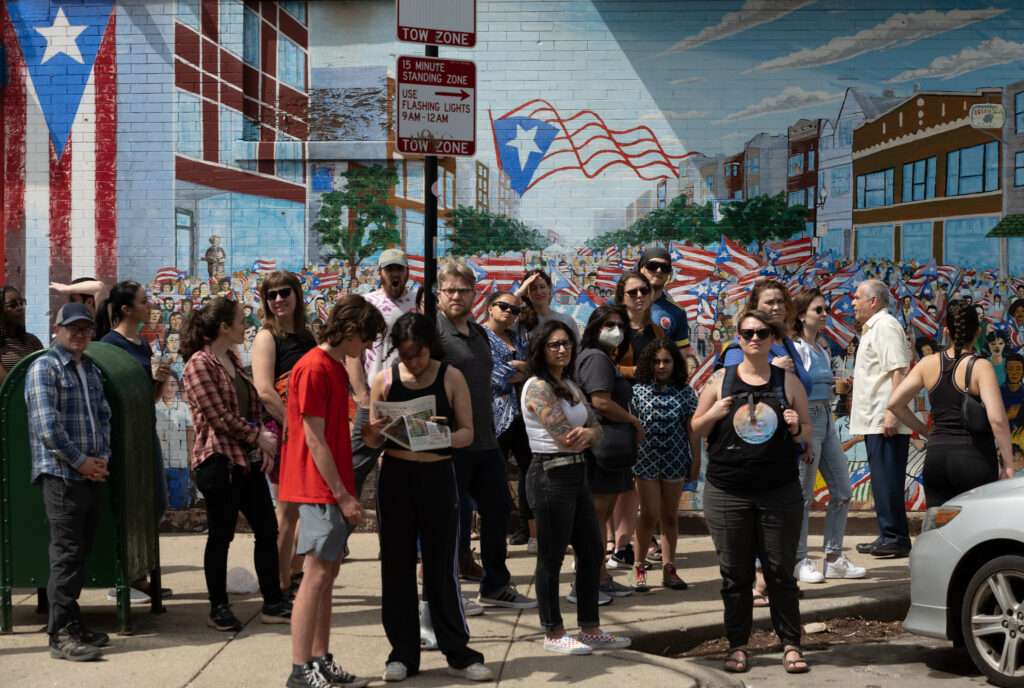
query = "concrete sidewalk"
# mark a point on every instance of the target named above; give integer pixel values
(177, 649)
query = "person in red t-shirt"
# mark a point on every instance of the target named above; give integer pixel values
(316, 474)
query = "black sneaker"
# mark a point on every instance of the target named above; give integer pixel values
(621, 558)
(335, 675)
(278, 613)
(306, 676)
(67, 644)
(520, 537)
(223, 619)
(94, 638)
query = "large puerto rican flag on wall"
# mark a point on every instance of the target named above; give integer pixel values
(58, 130)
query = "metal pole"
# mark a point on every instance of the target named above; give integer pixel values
(429, 225)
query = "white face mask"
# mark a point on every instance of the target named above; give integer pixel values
(610, 338)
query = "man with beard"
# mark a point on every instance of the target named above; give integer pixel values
(393, 300)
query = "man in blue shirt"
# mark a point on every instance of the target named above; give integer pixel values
(69, 434)
(656, 265)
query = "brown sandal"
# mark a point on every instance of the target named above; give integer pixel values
(736, 662)
(794, 666)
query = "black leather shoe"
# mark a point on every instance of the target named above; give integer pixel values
(868, 547)
(94, 638)
(890, 549)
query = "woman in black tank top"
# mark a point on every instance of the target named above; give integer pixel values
(753, 502)
(956, 459)
(417, 497)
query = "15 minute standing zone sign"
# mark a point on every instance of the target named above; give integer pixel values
(436, 106)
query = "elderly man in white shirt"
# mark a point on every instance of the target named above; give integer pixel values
(883, 360)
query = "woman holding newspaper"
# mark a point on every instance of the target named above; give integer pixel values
(420, 410)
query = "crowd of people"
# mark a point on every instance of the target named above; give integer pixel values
(606, 426)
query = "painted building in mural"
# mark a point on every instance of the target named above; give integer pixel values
(193, 144)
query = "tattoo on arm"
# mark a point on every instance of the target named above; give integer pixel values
(718, 374)
(544, 403)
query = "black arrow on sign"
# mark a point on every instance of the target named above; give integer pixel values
(461, 95)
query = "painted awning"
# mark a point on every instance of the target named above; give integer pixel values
(1009, 226)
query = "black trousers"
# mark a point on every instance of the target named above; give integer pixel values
(228, 489)
(420, 500)
(73, 512)
(765, 523)
(952, 469)
(515, 440)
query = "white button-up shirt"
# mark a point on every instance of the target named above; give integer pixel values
(883, 350)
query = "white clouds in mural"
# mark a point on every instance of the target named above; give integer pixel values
(791, 98)
(673, 115)
(734, 135)
(994, 51)
(753, 13)
(688, 80)
(897, 31)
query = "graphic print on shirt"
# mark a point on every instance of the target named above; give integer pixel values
(755, 422)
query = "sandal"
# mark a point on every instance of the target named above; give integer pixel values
(761, 600)
(736, 662)
(794, 666)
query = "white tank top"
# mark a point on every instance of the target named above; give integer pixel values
(541, 441)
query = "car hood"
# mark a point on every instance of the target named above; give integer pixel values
(999, 488)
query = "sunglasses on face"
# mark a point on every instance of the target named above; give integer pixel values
(283, 292)
(762, 333)
(507, 307)
(16, 303)
(820, 309)
(639, 291)
(658, 266)
(561, 344)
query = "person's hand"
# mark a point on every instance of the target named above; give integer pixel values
(163, 371)
(808, 456)
(60, 287)
(373, 427)
(525, 286)
(579, 439)
(94, 469)
(720, 409)
(268, 462)
(351, 509)
(267, 442)
(1007, 472)
(638, 427)
(792, 419)
(784, 362)
(890, 424)
(694, 473)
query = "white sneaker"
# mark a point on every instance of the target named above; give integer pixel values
(471, 608)
(844, 568)
(531, 546)
(474, 672)
(807, 571)
(395, 671)
(136, 596)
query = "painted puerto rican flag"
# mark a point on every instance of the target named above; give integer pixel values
(504, 271)
(608, 277)
(169, 274)
(703, 372)
(733, 260)
(58, 130)
(692, 260)
(840, 332)
(259, 265)
(789, 252)
(415, 268)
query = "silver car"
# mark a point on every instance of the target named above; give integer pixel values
(967, 578)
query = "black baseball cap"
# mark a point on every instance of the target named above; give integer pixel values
(655, 253)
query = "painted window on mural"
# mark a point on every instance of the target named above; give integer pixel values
(248, 150)
(846, 134)
(966, 237)
(709, 182)
(296, 8)
(839, 182)
(230, 131)
(291, 63)
(797, 197)
(874, 189)
(414, 183)
(754, 191)
(400, 186)
(754, 165)
(449, 190)
(810, 160)
(916, 238)
(1018, 113)
(251, 39)
(288, 151)
(875, 242)
(796, 164)
(973, 170)
(230, 24)
(188, 131)
(1018, 169)
(188, 13)
(919, 180)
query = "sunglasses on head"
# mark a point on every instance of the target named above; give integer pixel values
(283, 292)
(658, 266)
(761, 333)
(507, 307)
(639, 291)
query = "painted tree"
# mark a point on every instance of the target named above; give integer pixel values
(675, 222)
(762, 219)
(372, 223)
(481, 231)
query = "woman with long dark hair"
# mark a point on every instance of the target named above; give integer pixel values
(998, 344)
(232, 454)
(957, 459)
(284, 338)
(15, 342)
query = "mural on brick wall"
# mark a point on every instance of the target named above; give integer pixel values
(194, 145)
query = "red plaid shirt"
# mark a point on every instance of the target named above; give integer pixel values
(214, 407)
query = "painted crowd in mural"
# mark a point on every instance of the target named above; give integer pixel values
(195, 145)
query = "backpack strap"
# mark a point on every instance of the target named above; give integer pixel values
(729, 381)
(779, 384)
(720, 359)
(967, 374)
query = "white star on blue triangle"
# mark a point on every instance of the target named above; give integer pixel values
(522, 144)
(53, 36)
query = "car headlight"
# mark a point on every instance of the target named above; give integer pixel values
(938, 516)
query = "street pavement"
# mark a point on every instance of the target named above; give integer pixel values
(176, 649)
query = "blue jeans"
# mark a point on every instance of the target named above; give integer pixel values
(830, 459)
(481, 475)
(887, 460)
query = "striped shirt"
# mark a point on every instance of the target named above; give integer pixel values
(65, 427)
(13, 348)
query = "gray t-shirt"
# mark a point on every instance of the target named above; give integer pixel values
(596, 373)
(471, 356)
(567, 319)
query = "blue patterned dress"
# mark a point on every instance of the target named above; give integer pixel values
(663, 411)
(504, 396)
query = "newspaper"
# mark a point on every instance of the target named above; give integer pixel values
(412, 426)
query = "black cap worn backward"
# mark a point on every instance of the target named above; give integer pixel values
(655, 253)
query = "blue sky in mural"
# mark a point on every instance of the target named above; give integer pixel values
(702, 76)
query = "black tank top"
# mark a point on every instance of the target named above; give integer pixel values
(752, 451)
(947, 423)
(287, 352)
(400, 392)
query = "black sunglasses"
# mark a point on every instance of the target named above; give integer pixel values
(507, 307)
(639, 291)
(658, 266)
(762, 333)
(283, 292)
(820, 309)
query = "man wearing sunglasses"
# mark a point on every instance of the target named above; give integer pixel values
(656, 265)
(393, 300)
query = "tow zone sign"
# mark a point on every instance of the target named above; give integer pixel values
(436, 106)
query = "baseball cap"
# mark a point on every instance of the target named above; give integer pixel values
(392, 256)
(655, 253)
(72, 312)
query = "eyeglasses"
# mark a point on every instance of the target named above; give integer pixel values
(81, 330)
(507, 307)
(16, 303)
(762, 333)
(639, 291)
(611, 325)
(820, 309)
(452, 293)
(274, 294)
(658, 266)
(560, 344)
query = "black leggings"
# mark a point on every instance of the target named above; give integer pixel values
(952, 469)
(515, 440)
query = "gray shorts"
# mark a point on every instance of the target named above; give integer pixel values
(324, 530)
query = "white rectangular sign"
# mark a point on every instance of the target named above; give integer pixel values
(437, 22)
(436, 106)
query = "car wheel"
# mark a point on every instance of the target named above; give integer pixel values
(992, 616)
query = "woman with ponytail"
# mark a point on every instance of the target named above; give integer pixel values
(957, 459)
(232, 454)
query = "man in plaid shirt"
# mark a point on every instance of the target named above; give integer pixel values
(69, 433)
